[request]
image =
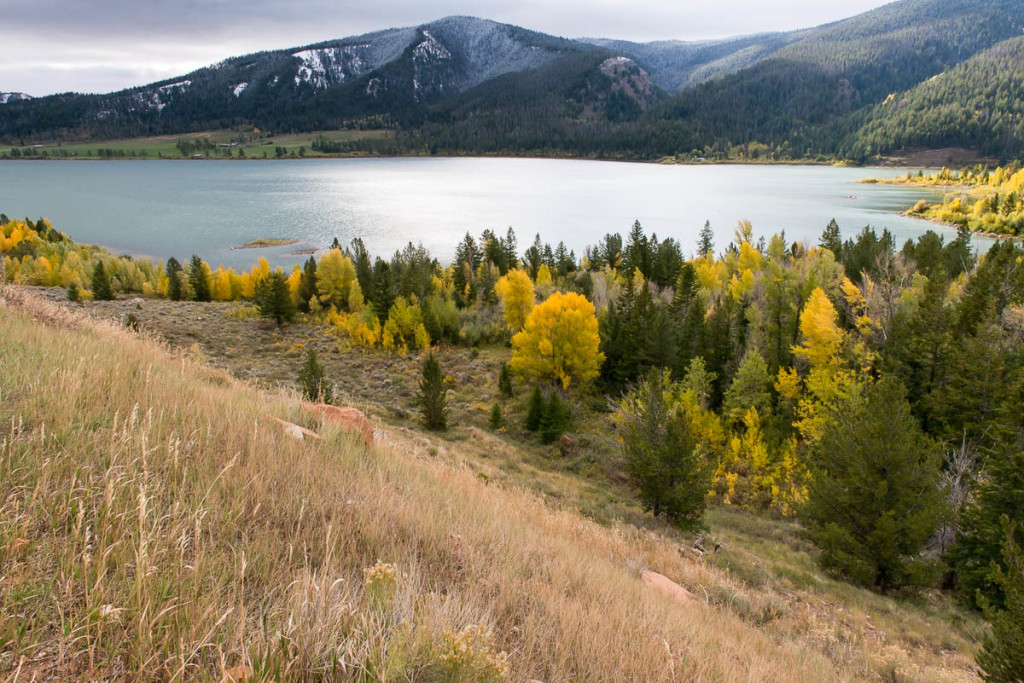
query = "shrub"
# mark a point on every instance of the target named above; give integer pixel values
(312, 379)
(432, 399)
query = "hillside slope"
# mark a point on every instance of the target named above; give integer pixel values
(979, 105)
(792, 96)
(155, 527)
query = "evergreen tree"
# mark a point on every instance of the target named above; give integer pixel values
(832, 240)
(664, 458)
(312, 379)
(505, 381)
(173, 269)
(73, 294)
(874, 498)
(383, 293)
(197, 278)
(496, 420)
(274, 298)
(101, 290)
(706, 242)
(1000, 491)
(432, 399)
(361, 260)
(307, 284)
(1002, 656)
(555, 419)
(535, 410)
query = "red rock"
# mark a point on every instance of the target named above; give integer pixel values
(293, 430)
(667, 586)
(348, 419)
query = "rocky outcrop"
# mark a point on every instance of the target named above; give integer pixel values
(347, 419)
(667, 586)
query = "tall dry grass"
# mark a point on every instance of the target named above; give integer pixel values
(153, 527)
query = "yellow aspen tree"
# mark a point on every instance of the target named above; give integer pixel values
(334, 276)
(515, 291)
(559, 341)
(543, 275)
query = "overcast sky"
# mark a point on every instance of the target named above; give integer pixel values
(49, 46)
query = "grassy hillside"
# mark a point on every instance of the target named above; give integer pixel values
(155, 527)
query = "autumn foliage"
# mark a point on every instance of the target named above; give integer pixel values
(559, 341)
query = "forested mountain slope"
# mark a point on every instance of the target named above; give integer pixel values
(467, 85)
(979, 104)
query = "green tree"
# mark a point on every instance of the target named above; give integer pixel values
(274, 298)
(307, 284)
(496, 421)
(101, 290)
(664, 458)
(1000, 491)
(174, 270)
(505, 381)
(73, 294)
(432, 398)
(313, 380)
(535, 410)
(198, 278)
(555, 419)
(1002, 656)
(874, 499)
(706, 242)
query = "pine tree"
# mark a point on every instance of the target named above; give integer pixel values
(73, 294)
(555, 419)
(505, 381)
(101, 290)
(1002, 656)
(383, 295)
(432, 398)
(173, 269)
(706, 242)
(496, 420)
(312, 379)
(874, 497)
(307, 284)
(197, 277)
(664, 458)
(535, 410)
(274, 298)
(832, 240)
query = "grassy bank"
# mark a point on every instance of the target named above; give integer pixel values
(155, 528)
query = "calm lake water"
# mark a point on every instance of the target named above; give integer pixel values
(177, 208)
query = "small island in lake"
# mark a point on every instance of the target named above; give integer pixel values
(266, 243)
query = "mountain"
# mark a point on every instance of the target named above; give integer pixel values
(6, 97)
(793, 97)
(468, 85)
(675, 65)
(314, 86)
(977, 105)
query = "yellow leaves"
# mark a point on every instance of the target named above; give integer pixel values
(543, 275)
(515, 291)
(334, 276)
(822, 335)
(559, 341)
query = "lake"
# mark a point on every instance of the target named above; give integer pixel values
(177, 208)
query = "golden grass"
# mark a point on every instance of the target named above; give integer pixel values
(152, 527)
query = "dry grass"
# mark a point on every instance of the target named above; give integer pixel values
(152, 527)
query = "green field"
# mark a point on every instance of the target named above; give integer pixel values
(227, 143)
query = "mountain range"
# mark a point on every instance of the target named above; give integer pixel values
(911, 75)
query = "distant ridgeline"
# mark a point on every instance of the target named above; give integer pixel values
(912, 75)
